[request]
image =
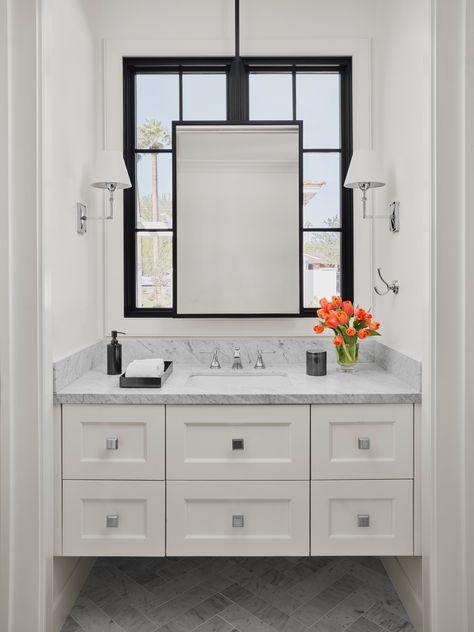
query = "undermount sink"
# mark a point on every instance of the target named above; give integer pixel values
(238, 380)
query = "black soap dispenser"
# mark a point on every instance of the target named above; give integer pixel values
(114, 355)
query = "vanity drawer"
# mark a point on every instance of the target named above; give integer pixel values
(362, 518)
(114, 518)
(362, 441)
(113, 442)
(237, 442)
(250, 518)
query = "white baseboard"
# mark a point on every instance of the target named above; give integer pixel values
(407, 593)
(65, 599)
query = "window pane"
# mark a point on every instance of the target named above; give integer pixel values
(204, 97)
(155, 270)
(154, 191)
(317, 105)
(321, 266)
(157, 104)
(270, 97)
(321, 191)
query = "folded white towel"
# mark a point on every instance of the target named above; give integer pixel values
(151, 367)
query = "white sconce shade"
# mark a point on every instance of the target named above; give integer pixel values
(365, 169)
(110, 169)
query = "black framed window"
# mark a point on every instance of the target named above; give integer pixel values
(159, 91)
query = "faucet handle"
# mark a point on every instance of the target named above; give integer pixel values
(215, 364)
(259, 363)
(236, 352)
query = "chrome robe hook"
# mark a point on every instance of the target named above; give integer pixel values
(390, 287)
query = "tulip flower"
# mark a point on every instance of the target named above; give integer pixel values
(322, 313)
(318, 328)
(324, 303)
(338, 340)
(348, 307)
(342, 317)
(337, 301)
(331, 321)
(363, 333)
(360, 314)
(350, 331)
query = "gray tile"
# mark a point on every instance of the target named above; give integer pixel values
(125, 614)
(344, 614)
(91, 618)
(194, 617)
(126, 587)
(261, 609)
(317, 581)
(364, 625)
(243, 620)
(216, 624)
(389, 620)
(326, 600)
(273, 595)
(255, 594)
(180, 604)
(71, 626)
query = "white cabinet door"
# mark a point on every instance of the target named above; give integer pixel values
(237, 442)
(113, 442)
(237, 518)
(114, 518)
(362, 518)
(362, 441)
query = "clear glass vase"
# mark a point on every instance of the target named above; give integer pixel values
(347, 356)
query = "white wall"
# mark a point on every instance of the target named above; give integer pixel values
(72, 275)
(401, 122)
(70, 144)
(150, 27)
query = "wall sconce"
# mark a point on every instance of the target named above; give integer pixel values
(109, 173)
(365, 173)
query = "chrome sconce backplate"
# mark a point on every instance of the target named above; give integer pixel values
(81, 218)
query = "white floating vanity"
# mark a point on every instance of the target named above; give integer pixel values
(157, 477)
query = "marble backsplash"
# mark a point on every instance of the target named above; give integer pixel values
(198, 351)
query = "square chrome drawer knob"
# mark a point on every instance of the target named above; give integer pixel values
(111, 443)
(237, 444)
(112, 521)
(363, 520)
(238, 521)
(364, 443)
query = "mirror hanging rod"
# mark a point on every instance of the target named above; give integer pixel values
(237, 29)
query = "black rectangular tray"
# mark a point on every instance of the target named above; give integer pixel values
(147, 382)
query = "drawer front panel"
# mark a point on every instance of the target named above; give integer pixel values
(362, 518)
(114, 518)
(237, 518)
(362, 441)
(113, 442)
(237, 442)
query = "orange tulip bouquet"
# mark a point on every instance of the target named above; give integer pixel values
(349, 325)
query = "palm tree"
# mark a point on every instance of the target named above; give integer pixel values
(153, 135)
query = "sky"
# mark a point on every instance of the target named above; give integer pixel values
(204, 98)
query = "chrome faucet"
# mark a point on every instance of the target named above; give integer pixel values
(237, 364)
(259, 363)
(215, 364)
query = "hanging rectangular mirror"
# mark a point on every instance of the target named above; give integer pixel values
(237, 208)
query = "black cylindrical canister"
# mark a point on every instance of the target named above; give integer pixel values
(316, 363)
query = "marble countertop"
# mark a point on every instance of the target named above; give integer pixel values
(367, 384)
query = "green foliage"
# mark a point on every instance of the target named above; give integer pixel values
(153, 134)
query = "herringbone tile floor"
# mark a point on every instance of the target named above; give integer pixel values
(238, 595)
